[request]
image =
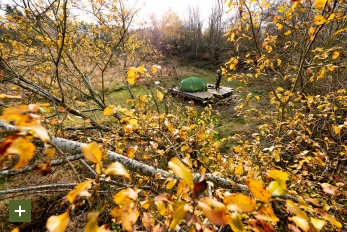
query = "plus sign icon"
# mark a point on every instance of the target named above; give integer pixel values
(20, 211)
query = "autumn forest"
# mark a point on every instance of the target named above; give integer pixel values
(92, 136)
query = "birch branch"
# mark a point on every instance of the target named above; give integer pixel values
(41, 187)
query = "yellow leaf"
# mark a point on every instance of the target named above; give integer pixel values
(341, 91)
(92, 225)
(336, 54)
(300, 222)
(155, 68)
(132, 74)
(145, 204)
(319, 20)
(317, 223)
(169, 126)
(184, 147)
(129, 216)
(214, 210)
(238, 170)
(333, 221)
(117, 168)
(281, 9)
(339, 31)
(312, 30)
(49, 152)
(171, 183)
(257, 189)
(92, 152)
(110, 110)
(276, 154)
(133, 122)
(288, 32)
(80, 189)
(144, 98)
(337, 129)
(131, 152)
(275, 189)
(293, 209)
(116, 213)
(161, 207)
(160, 96)
(142, 69)
(125, 196)
(279, 62)
(15, 230)
(318, 4)
(266, 213)
(58, 223)
(80, 103)
(240, 203)
(10, 96)
(24, 148)
(236, 223)
(279, 26)
(182, 171)
(280, 176)
(180, 209)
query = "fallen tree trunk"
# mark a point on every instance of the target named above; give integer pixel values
(73, 147)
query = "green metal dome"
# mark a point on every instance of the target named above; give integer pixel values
(193, 84)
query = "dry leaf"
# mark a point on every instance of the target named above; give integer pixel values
(182, 171)
(92, 152)
(257, 189)
(58, 223)
(117, 168)
(240, 203)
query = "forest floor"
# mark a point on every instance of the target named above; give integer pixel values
(51, 202)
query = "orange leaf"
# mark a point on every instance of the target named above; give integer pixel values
(131, 152)
(6, 143)
(80, 189)
(257, 189)
(260, 226)
(214, 210)
(266, 213)
(24, 148)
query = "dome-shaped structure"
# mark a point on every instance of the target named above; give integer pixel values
(193, 84)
